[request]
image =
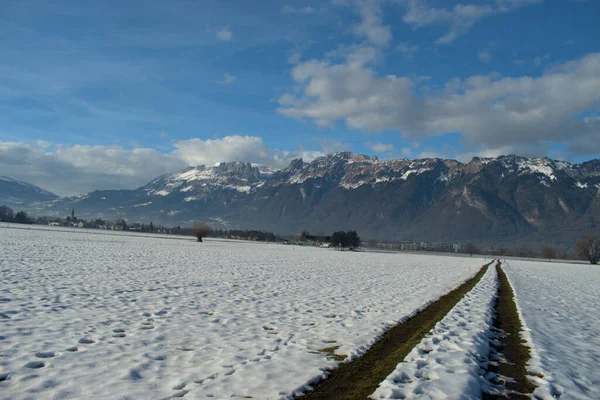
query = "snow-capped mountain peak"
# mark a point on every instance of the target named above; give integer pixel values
(232, 175)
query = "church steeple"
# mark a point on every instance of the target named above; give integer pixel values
(72, 214)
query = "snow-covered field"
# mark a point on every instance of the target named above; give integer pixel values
(448, 362)
(560, 305)
(103, 316)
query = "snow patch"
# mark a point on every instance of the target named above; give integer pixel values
(417, 171)
(536, 165)
(349, 185)
(382, 179)
(243, 189)
(558, 303)
(196, 174)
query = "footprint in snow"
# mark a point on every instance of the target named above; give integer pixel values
(119, 333)
(86, 340)
(135, 375)
(35, 364)
(398, 394)
(403, 378)
(45, 354)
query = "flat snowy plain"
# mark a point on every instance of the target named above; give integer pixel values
(115, 317)
(560, 305)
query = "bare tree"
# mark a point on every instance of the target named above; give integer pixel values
(548, 252)
(471, 248)
(303, 236)
(201, 229)
(6, 214)
(588, 248)
(499, 251)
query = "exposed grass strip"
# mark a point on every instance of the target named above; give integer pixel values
(359, 378)
(512, 366)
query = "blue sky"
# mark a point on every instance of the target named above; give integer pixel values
(112, 93)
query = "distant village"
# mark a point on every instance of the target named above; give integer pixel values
(7, 214)
(71, 221)
(303, 239)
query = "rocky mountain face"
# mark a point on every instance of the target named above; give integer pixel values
(15, 193)
(508, 199)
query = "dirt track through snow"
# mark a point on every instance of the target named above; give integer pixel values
(360, 378)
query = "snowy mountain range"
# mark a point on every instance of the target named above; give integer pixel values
(15, 192)
(503, 199)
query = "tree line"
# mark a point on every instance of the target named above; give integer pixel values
(338, 239)
(586, 248)
(202, 229)
(342, 240)
(8, 215)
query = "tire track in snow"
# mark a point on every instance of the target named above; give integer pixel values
(509, 376)
(448, 363)
(360, 377)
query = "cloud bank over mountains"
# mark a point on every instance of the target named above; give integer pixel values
(263, 84)
(72, 170)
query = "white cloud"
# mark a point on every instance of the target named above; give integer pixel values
(380, 148)
(484, 56)
(164, 134)
(228, 79)
(43, 144)
(490, 111)
(355, 55)
(351, 93)
(294, 57)
(331, 146)
(81, 168)
(408, 50)
(225, 33)
(69, 170)
(287, 9)
(540, 60)
(371, 26)
(237, 148)
(459, 19)
(406, 151)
